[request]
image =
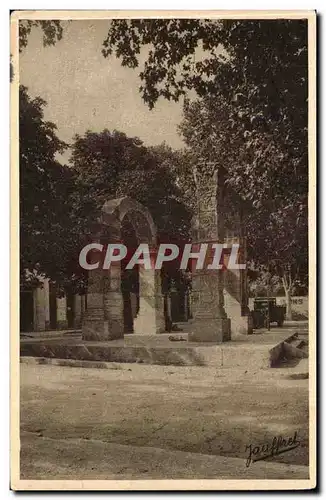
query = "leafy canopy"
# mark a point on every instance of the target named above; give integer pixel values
(251, 77)
(111, 164)
(51, 227)
(52, 31)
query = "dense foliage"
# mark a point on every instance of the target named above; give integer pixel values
(51, 226)
(251, 117)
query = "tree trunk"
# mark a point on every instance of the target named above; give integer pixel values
(287, 291)
(288, 306)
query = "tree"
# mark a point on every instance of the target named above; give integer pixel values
(52, 31)
(259, 65)
(50, 223)
(59, 204)
(274, 195)
(279, 242)
(111, 164)
(251, 76)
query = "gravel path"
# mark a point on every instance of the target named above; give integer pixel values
(74, 419)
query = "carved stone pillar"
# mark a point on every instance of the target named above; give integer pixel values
(113, 301)
(103, 318)
(210, 322)
(62, 322)
(94, 326)
(150, 318)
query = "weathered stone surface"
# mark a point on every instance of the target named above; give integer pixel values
(250, 354)
(235, 291)
(62, 322)
(105, 305)
(210, 323)
(207, 329)
(39, 313)
(94, 326)
(150, 318)
(79, 310)
(94, 329)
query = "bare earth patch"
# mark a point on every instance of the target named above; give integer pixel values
(191, 419)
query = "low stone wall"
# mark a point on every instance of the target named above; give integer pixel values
(247, 356)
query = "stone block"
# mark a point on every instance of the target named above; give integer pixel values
(216, 330)
(101, 330)
(94, 330)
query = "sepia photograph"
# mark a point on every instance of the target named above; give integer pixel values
(163, 250)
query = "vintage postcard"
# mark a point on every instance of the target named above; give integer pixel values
(163, 246)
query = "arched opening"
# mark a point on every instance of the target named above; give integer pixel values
(129, 277)
(120, 300)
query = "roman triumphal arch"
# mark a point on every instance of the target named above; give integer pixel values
(119, 301)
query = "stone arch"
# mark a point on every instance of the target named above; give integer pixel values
(115, 211)
(105, 317)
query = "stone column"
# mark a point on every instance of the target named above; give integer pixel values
(113, 302)
(210, 322)
(62, 322)
(235, 293)
(46, 287)
(77, 321)
(245, 310)
(134, 304)
(94, 326)
(103, 319)
(168, 312)
(150, 318)
(83, 305)
(39, 313)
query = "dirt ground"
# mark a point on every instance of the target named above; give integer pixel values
(147, 421)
